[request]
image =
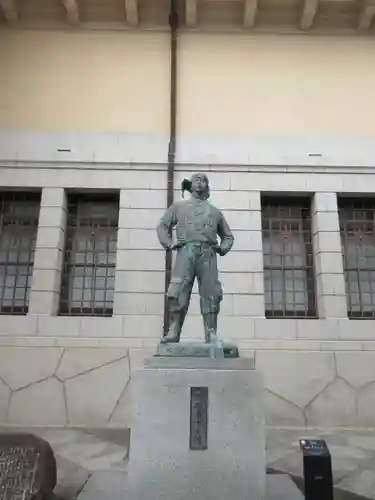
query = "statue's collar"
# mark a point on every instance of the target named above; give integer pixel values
(200, 197)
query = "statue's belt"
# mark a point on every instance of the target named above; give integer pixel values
(197, 244)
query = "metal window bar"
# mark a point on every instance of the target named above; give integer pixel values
(90, 256)
(288, 259)
(358, 249)
(19, 215)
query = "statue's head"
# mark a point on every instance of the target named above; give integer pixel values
(198, 185)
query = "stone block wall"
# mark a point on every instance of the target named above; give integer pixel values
(87, 382)
(77, 370)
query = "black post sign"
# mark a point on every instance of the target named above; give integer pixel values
(317, 469)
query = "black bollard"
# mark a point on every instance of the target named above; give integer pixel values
(317, 469)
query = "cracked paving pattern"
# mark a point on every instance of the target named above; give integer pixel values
(90, 386)
(86, 389)
(23, 366)
(80, 360)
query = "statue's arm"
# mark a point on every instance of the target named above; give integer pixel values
(165, 226)
(225, 234)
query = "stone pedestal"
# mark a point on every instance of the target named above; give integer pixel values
(198, 431)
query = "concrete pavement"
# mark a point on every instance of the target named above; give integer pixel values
(82, 454)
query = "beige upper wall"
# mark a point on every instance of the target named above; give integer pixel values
(228, 84)
(91, 81)
(277, 85)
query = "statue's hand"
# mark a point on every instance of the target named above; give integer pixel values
(175, 246)
(218, 249)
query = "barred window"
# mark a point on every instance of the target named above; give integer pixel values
(19, 214)
(358, 248)
(90, 256)
(288, 258)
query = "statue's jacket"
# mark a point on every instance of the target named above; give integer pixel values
(196, 221)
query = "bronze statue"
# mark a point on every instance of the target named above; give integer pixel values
(198, 223)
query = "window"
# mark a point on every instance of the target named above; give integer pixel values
(358, 247)
(90, 256)
(19, 214)
(288, 260)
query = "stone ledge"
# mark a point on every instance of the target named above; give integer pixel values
(199, 363)
(138, 342)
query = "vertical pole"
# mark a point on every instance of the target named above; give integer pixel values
(173, 23)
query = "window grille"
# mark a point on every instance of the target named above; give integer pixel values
(19, 214)
(288, 258)
(90, 256)
(358, 248)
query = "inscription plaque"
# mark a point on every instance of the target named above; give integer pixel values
(27, 467)
(18, 468)
(198, 418)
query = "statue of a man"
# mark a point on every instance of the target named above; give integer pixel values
(198, 223)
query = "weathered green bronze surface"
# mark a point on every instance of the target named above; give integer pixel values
(194, 350)
(198, 224)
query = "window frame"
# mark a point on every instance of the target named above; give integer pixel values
(77, 226)
(356, 204)
(29, 220)
(307, 268)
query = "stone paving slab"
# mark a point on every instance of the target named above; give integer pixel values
(353, 459)
(105, 484)
(281, 486)
(82, 452)
(112, 484)
(71, 478)
(361, 481)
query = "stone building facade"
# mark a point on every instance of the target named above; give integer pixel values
(274, 103)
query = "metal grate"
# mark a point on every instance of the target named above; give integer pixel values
(90, 256)
(288, 258)
(19, 214)
(358, 247)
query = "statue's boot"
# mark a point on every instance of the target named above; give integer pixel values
(210, 328)
(175, 325)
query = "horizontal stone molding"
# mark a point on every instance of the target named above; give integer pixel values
(142, 326)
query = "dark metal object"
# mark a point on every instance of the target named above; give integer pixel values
(19, 214)
(27, 468)
(90, 256)
(357, 219)
(317, 469)
(173, 23)
(198, 418)
(288, 258)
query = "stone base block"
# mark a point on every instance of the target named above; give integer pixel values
(198, 432)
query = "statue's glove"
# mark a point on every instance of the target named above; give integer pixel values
(175, 246)
(218, 250)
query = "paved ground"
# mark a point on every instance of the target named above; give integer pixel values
(353, 459)
(278, 487)
(83, 453)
